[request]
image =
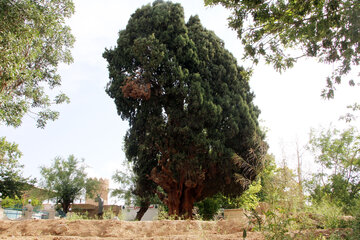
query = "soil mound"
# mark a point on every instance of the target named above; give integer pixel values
(62, 229)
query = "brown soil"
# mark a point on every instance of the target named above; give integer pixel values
(112, 229)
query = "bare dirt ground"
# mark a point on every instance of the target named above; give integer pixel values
(112, 229)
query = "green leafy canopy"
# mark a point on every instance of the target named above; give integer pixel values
(328, 30)
(66, 180)
(34, 40)
(12, 183)
(338, 153)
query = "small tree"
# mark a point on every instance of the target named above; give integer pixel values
(12, 183)
(125, 190)
(66, 180)
(338, 153)
(130, 190)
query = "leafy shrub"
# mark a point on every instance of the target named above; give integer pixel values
(330, 214)
(278, 223)
(19, 202)
(77, 216)
(109, 214)
(12, 203)
(208, 208)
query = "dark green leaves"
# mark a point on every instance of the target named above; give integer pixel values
(198, 113)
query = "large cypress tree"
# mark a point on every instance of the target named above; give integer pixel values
(193, 126)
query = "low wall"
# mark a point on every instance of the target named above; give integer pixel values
(92, 210)
(235, 214)
(129, 213)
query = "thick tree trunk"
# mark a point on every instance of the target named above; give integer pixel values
(173, 202)
(182, 192)
(144, 206)
(188, 201)
(181, 203)
(180, 196)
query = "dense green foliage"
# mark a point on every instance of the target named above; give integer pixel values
(126, 181)
(12, 183)
(328, 30)
(34, 40)
(19, 203)
(338, 153)
(260, 190)
(66, 180)
(266, 177)
(193, 125)
(209, 207)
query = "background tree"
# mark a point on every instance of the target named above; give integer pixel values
(126, 182)
(338, 153)
(193, 126)
(328, 30)
(132, 192)
(20, 202)
(283, 190)
(66, 180)
(34, 40)
(12, 183)
(266, 177)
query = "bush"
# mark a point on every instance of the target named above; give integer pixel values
(77, 216)
(330, 214)
(109, 214)
(278, 223)
(11, 203)
(19, 202)
(208, 208)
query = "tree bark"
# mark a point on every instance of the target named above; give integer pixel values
(188, 201)
(173, 201)
(65, 205)
(180, 194)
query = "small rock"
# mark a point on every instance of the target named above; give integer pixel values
(60, 229)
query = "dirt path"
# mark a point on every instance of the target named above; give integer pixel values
(113, 229)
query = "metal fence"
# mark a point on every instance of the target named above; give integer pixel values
(15, 213)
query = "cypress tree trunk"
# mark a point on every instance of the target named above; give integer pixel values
(187, 203)
(173, 202)
(181, 194)
(180, 203)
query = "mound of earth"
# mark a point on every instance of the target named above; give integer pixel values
(62, 229)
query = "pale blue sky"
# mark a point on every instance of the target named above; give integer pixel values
(90, 128)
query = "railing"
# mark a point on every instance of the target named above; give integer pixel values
(15, 213)
(40, 215)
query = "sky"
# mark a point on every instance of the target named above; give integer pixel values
(90, 128)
